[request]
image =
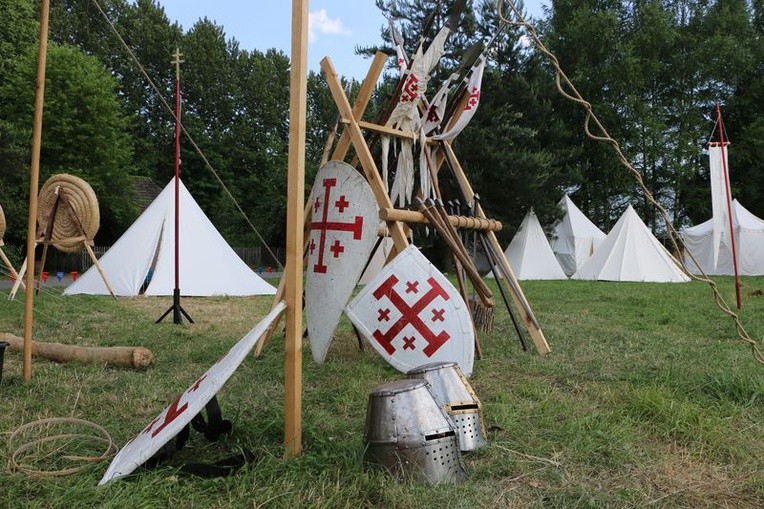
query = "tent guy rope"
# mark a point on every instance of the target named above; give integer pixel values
(566, 88)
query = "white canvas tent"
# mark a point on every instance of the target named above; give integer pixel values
(749, 245)
(630, 252)
(146, 252)
(575, 237)
(529, 253)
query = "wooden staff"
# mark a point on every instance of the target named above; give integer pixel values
(295, 196)
(34, 182)
(483, 291)
(458, 266)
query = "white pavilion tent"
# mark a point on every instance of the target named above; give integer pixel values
(575, 237)
(142, 261)
(749, 245)
(630, 252)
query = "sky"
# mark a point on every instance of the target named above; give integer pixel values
(337, 27)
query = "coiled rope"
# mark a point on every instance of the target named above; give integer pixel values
(43, 450)
(566, 88)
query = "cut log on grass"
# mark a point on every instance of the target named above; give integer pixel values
(116, 356)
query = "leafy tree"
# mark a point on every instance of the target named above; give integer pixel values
(18, 34)
(84, 132)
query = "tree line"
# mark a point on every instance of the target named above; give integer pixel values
(652, 70)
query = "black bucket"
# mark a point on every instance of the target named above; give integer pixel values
(3, 346)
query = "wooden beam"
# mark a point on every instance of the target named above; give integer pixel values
(295, 196)
(361, 102)
(381, 129)
(362, 151)
(464, 222)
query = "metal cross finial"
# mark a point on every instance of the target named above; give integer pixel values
(177, 61)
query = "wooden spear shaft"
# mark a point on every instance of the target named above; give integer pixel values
(34, 181)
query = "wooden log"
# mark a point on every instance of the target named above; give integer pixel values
(116, 356)
(464, 222)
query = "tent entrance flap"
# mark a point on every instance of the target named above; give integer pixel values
(150, 272)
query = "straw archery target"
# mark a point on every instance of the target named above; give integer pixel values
(69, 223)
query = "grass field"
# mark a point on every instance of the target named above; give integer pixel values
(647, 400)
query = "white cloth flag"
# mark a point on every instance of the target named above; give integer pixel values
(476, 79)
(717, 156)
(438, 107)
(406, 117)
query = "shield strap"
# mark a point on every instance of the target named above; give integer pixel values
(212, 428)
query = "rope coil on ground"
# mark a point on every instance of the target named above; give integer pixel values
(80, 217)
(572, 94)
(17, 458)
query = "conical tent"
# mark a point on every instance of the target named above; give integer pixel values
(142, 261)
(749, 245)
(529, 253)
(575, 237)
(630, 252)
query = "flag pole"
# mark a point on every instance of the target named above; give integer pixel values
(295, 219)
(729, 205)
(34, 182)
(177, 310)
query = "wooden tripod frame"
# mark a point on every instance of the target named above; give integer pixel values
(61, 202)
(352, 135)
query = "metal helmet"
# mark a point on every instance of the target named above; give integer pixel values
(409, 434)
(451, 390)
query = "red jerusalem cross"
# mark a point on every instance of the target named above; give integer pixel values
(410, 316)
(410, 89)
(473, 100)
(324, 226)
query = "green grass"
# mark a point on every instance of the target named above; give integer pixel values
(647, 400)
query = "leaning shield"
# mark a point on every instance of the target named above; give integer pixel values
(412, 315)
(180, 412)
(343, 231)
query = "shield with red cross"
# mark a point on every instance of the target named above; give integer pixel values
(412, 315)
(343, 231)
(180, 412)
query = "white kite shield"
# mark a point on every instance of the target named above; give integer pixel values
(343, 231)
(180, 412)
(412, 315)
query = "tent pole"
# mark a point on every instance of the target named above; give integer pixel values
(729, 207)
(177, 310)
(34, 181)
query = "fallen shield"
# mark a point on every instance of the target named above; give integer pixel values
(343, 231)
(412, 315)
(180, 412)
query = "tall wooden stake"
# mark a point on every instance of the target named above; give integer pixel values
(295, 218)
(34, 181)
(729, 206)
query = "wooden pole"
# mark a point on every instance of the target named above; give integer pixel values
(295, 219)
(729, 207)
(34, 181)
